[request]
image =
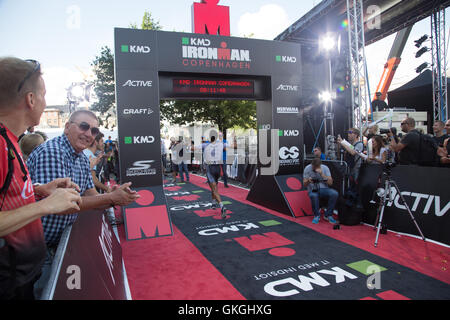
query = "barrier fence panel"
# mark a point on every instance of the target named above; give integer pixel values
(425, 192)
(88, 264)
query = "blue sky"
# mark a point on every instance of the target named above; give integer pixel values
(65, 36)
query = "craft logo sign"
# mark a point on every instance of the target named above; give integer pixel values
(138, 83)
(198, 52)
(141, 168)
(291, 110)
(137, 111)
(139, 139)
(134, 49)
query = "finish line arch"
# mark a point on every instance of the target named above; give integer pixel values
(152, 65)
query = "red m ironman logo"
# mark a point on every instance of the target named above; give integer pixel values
(147, 221)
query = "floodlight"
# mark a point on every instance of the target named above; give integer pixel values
(421, 40)
(325, 96)
(422, 67)
(421, 52)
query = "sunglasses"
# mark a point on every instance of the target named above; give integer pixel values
(349, 132)
(37, 66)
(403, 123)
(84, 126)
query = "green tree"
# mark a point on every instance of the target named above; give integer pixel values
(103, 65)
(223, 113)
(148, 23)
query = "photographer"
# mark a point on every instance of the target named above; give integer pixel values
(408, 148)
(317, 178)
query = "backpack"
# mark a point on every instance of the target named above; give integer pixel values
(12, 154)
(428, 151)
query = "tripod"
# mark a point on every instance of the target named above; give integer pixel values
(387, 197)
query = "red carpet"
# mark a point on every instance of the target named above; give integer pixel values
(171, 268)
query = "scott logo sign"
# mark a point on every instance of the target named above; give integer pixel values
(139, 139)
(137, 83)
(286, 153)
(141, 168)
(135, 49)
(286, 59)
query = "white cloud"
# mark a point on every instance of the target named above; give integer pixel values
(267, 23)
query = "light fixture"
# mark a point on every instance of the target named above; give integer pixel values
(325, 96)
(421, 40)
(421, 52)
(422, 67)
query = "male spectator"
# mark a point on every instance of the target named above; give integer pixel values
(163, 156)
(317, 178)
(439, 135)
(317, 152)
(183, 152)
(353, 151)
(94, 153)
(22, 246)
(378, 104)
(174, 158)
(63, 156)
(369, 132)
(109, 141)
(444, 151)
(224, 156)
(408, 148)
(352, 157)
(29, 142)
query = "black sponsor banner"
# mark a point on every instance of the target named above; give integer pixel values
(268, 257)
(138, 131)
(91, 268)
(135, 49)
(424, 191)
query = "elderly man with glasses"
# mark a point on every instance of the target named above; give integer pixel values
(63, 157)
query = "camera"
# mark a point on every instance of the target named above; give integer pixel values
(386, 131)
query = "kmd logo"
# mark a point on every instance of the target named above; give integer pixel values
(288, 133)
(135, 49)
(141, 168)
(139, 140)
(286, 59)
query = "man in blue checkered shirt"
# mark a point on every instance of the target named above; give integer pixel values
(63, 157)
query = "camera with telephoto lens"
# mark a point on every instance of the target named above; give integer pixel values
(386, 131)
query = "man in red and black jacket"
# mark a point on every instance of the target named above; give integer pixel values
(22, 246)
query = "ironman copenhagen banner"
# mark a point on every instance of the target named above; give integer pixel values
(154, 65)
